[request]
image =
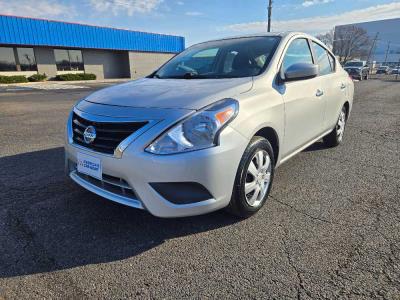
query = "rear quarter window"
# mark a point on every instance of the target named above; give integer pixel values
(322, 59)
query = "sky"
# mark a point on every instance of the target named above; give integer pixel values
(201, 20)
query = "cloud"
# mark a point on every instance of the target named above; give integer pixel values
(180, 3)
(324, 23)
(308, 3)
(38, 9)
(193, 13)
(129, 7)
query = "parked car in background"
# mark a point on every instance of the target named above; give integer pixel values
(357, 69)
(395, 71)
(207, 130)
(383, 70)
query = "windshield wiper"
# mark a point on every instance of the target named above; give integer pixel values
(192, 75)
(186, 76)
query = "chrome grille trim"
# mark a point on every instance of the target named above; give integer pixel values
(124, 143)
(121, 193)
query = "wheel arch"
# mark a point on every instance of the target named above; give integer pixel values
(272, 136)
(347, 106)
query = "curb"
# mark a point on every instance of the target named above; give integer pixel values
(65, 82)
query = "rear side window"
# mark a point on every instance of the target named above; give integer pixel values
(322, 60)
(298, 52)
(332, 61)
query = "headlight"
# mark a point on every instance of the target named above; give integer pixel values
(199, 131)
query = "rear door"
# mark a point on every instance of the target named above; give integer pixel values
(303, 100)
(333, 84)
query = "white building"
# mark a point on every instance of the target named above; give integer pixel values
(388, 35)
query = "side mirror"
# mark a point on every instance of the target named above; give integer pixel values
(300, 71)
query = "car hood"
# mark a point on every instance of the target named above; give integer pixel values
(171, 93)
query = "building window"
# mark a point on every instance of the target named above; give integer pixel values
(7, 59)
(26, 59)
(68, 60)
(76, 60)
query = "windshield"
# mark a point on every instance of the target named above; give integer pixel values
(354, 64)
(231, 58)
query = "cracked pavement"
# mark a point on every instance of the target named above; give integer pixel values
(330, 230)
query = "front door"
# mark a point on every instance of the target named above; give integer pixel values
(303, 99)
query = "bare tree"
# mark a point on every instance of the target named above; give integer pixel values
(327, 38)
(350, 42)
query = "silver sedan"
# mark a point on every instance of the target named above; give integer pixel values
(207, 130)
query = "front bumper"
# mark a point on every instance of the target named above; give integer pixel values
(214, 168)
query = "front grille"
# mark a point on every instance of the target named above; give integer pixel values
(108, 134)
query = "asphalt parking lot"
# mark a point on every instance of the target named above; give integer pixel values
(331, 228)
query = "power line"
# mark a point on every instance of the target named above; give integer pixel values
(381, 41)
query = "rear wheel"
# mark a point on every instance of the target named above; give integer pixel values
(253, 179)
(334, 138)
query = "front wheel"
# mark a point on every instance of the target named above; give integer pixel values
(253, 179)
(334, 138)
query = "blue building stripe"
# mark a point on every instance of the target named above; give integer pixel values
(36, 32)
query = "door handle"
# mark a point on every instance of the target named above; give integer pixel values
(342, 86)
(319, 93)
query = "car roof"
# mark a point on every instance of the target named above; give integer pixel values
(262, 34)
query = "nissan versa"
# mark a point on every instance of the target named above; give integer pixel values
(207, 129)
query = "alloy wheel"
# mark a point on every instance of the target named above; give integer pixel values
(340, 125)
(258, 178)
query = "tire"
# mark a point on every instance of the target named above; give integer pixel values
(253, 177)
(335, 137)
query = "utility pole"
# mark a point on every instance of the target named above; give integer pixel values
(269, 15)
(372, 46)
(387, 51)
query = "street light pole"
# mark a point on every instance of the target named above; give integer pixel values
(372, 46)
(269, 15)
(387, 51)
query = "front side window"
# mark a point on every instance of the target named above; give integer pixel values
(322, 60)
(26, 59)
(231, 58)
(68, 60)
(7, 59)
(332, 61)
(297, 52)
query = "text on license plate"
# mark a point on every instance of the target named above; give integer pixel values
(89, 165)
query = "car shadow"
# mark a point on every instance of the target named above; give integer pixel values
(47, 223)
(317, 146)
